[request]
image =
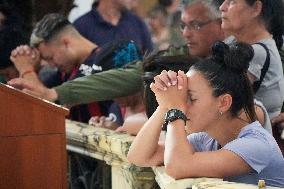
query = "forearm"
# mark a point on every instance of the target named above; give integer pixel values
(133, 124)
(101, 86)
(30, 75)
(177, 150)
(144, 150)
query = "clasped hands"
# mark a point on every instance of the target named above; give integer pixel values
(170, 89)
(27, 61)
(107, 123)
(25, 58)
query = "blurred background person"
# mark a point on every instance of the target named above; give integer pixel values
(260, 23)
(157, 19)
(173, 10)
(134, 115)
(80, 8)
(111, 20)
(12, 34)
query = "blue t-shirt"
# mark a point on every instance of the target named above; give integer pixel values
(130, 27)
(256, 147)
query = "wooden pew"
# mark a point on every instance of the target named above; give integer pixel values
(32, 142)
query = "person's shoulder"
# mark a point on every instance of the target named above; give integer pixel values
(85, 17)
(252, 134)
(263, 115)
(130, 16)
(127, 13)
(252, 128)
(260, 53)
(255, 132)
(259, 47)
(259, 50)
(268, 42)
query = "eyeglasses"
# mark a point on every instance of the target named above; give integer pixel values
(194, 25)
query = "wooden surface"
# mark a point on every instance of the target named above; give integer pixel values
(32, 142)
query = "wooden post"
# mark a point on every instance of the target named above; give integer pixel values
(32, 142)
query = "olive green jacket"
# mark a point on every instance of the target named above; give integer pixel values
(108, 84)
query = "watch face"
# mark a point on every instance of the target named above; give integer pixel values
(175, 114)
(171, 114)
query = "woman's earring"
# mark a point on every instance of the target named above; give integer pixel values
(221, 113)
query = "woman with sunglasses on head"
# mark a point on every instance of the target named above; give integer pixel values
(209, 100)
(260, 23)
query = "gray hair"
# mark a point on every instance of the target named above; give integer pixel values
(47, 28)
(212, 5)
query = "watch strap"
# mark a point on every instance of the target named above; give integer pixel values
(174, 114)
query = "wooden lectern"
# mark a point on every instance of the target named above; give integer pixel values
(32, 142)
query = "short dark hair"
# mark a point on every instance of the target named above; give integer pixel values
(47, 28)
(226, 72)
(272, 14)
